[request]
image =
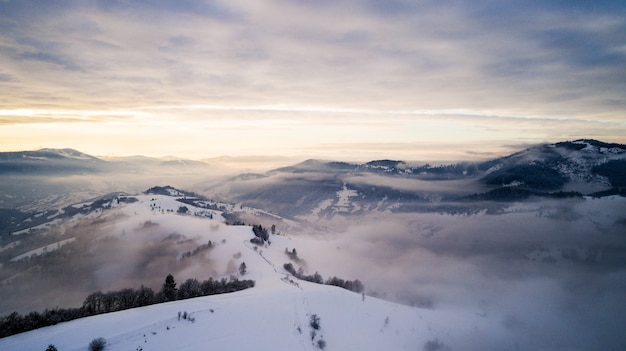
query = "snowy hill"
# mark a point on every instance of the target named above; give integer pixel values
(574, 165)
(518, 279)
(274, 315)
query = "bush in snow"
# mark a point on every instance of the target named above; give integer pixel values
(51, 348)
(290, 268)
(293, 255)
(435, 345)
(315, 322)
(260, 232)
(257, 241)
(97, 344)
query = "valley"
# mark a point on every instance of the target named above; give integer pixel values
(465, 256)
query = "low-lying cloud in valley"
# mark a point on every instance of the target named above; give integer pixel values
(533, 267)
(551, 274)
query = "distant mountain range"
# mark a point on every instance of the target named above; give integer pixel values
(323, 188)
(479, 249)
(69, 161)
(542, 167)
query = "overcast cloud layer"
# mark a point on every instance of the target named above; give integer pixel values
(371, 77)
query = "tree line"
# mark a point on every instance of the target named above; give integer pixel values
(352, 285)
(99, 302)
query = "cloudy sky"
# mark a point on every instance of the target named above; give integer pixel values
(414, 80)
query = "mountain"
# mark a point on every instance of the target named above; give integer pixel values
(472, 281)
(49, 161)
(39, 180)
(316, 189)
(524, 251)
(69, 162)
(274, 315)
(554, 166)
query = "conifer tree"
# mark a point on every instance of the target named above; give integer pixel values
(169, 288)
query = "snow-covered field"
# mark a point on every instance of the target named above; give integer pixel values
(522, 303)
(274, 315)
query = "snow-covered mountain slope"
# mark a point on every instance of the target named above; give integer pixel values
(575, 165)
(274, 315)
(314, 189)
(519, 279)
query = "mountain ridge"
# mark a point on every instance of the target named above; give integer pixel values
(324, 187)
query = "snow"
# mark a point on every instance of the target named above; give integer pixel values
(315, 213)
(494, 168)
(274, 315)
(256, 319)
(42, 250)
(43, 226)
(343, 199)
(10, 245)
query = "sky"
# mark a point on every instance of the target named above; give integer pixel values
(350, 80)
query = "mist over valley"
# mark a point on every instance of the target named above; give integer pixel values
(529, 248)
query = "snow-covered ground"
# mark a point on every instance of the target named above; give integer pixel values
(43, 250)
(476, 308)
(274, 315)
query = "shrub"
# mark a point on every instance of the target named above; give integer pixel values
(434, 345)
(97, 344)
(51, 348)
(315, 322)
(290, 268)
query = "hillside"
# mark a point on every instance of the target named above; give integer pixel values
(274, 315)
(308, 191)
(465, 282)
(315, 190)
(521, 252)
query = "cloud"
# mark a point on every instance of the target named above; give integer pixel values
(281, 52)
(484, 264)
(528, 73)
(31, 116)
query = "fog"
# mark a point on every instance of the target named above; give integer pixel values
(111, 252)
(549, 274)
(553, 274)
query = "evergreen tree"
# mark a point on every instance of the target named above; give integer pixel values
(190, 288)
(169, 288)
(242, 268)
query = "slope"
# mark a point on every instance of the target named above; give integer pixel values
(275, 315)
